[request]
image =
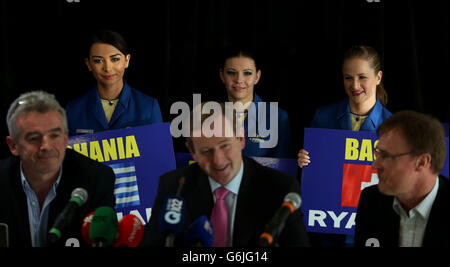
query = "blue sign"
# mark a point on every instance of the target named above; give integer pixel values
(138, 157)
(340, 169)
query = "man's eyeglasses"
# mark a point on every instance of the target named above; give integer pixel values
(386, 156)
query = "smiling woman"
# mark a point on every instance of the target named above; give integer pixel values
(240, 73)
(108, 65)
(364, 107)
(112, 103)
(362, 110)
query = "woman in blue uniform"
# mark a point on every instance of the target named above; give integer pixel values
(112, 103)
(362, 110)
(239, 73)
(364, 107)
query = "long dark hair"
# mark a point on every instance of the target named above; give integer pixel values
(108, 37)
(234, 51)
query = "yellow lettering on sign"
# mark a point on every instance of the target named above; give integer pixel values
(109, 149)
(365, 152)
(131, 147)
(95, 151)
(351, 149)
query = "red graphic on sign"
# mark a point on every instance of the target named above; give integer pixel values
(355, 178)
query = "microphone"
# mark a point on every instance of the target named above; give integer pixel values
(86, 226)
(103, 228)
(292, 202)
(78, 197)
(131, 231)
(171, 221)
(200, 233)
(181, 182)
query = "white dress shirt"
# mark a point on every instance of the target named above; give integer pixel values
(414, 223)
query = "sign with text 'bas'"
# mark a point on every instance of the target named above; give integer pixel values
(138, 157)
(340, 169)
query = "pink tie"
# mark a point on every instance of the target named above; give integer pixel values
(219, 218)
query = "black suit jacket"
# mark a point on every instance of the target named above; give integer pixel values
(261, 193)
(78, 171)
(377, 219)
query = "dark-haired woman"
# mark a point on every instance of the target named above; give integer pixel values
(239, 74)
(112, 103)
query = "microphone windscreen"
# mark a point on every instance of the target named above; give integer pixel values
(172, 217)
(200, 230)
(86, 226)
(131, 231)
(103, 226)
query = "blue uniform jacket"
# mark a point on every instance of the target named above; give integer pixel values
(337, 116)
(284, 147)
(86, 115)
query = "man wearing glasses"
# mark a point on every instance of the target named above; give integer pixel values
(410, 205)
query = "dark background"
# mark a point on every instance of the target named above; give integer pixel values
(175, 44)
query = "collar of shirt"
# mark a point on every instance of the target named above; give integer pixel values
(424, 207)
(374, 117)
(25, 181)
(124, 97)
(232, 186)
(38, 219)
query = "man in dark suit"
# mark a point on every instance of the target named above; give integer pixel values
(410, 205)
(37, 181)
(255, 191)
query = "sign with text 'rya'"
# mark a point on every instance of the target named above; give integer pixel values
(340, 169)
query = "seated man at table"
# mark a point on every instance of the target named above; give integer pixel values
(252, 193)
(37, 181)
(410, 205)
